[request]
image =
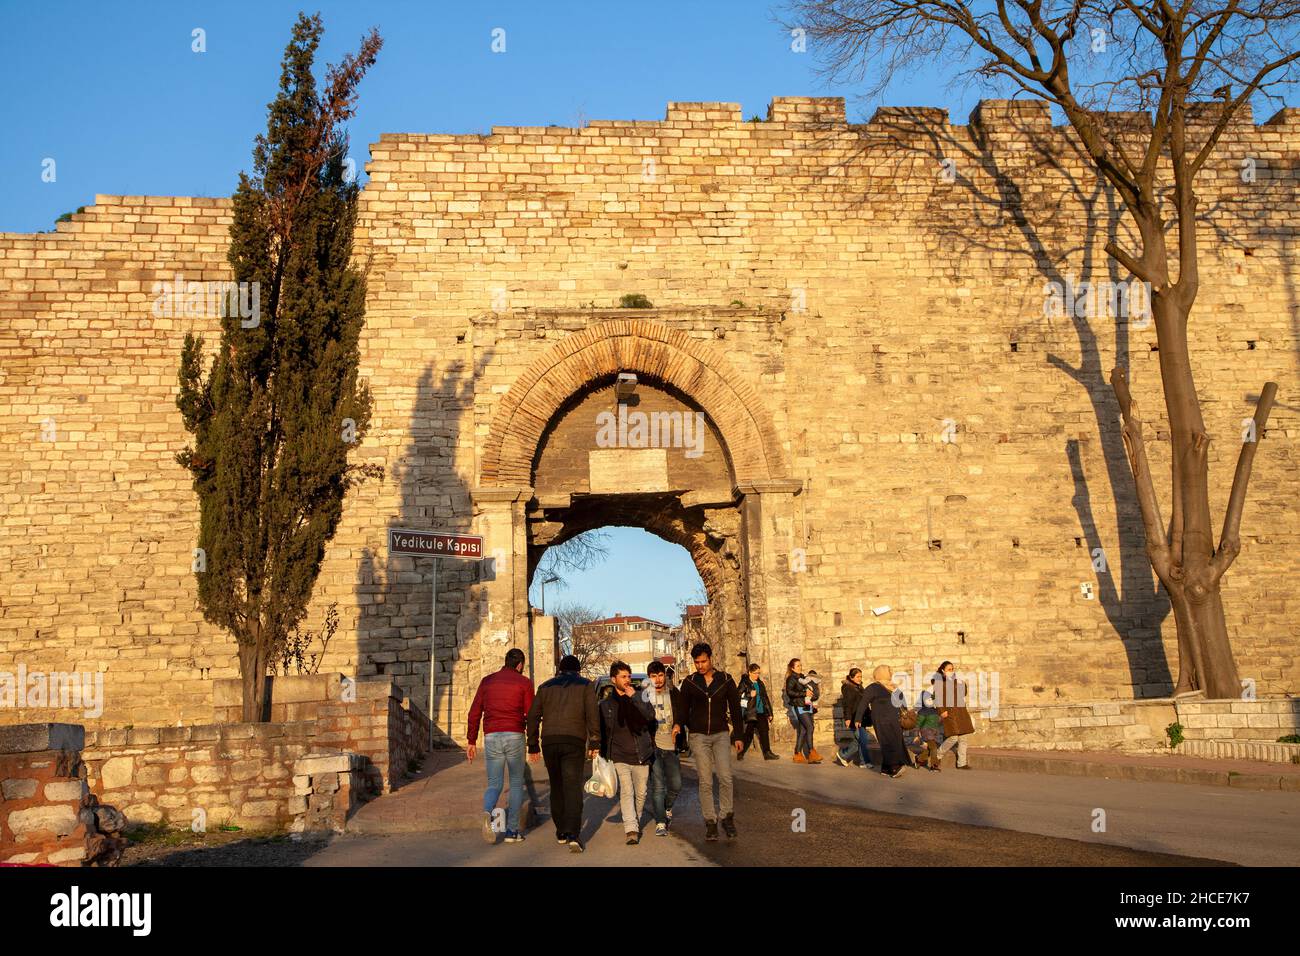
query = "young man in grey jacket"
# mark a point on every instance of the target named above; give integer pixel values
(666, 771)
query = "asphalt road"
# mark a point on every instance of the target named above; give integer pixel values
(1248, 827)
(769, 818)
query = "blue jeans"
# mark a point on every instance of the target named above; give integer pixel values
(804, 741)
(859, 742)
(501, 750)
(665, 782)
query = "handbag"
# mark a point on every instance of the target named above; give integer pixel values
(604, 781)
(907, 718)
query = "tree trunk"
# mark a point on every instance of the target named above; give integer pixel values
(252, 672)
(1205, 654)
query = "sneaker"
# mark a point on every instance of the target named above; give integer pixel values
(729, 826)
(562, 839)
(633, 838)
(711, 831)
(966, 767)
(771, 756)
(514, 836)
(840, 761)
(575, 845)
(489, 834)
(899, 772)
(661, 829)
(798, 758)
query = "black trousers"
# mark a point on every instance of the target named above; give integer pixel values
(565, 764)
(760, 725)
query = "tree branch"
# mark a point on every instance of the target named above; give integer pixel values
(1230, 540)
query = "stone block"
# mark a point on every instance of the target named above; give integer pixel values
(116, 773)
(64, 790)
(59, 819)
(323, 763)
(32, 738)
(17, 788)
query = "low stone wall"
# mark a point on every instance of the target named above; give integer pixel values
(1131, 726)
(1265, 719)
(367, 717)
(326, 791)
(42, 794)
(48, 815)
(200, 777)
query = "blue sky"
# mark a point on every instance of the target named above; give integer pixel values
(115, 95)
(643, 575)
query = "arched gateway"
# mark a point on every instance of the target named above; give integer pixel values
(688, 452)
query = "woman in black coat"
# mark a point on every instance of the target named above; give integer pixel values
(757, 705)
(856, 740)
(878, 700)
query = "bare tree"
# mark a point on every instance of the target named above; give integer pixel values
(592, 648)
(1188, 67)
(580, 553)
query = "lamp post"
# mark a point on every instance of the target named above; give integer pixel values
(547, 579)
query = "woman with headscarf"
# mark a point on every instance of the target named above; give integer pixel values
(950, 701)
(878, 700)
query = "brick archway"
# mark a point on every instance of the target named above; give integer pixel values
(631, 345)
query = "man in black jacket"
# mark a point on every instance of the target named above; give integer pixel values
(711, 714)
(627, 721)
(565, 708)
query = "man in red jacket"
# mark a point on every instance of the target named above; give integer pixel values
(502, 704)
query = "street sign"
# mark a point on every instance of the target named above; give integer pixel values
(434, 544)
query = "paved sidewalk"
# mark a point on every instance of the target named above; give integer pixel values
(436, 820)
(447, 794)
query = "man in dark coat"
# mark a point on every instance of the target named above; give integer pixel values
(878, 699)
(564, 728)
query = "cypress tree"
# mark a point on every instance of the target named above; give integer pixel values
(281, 405)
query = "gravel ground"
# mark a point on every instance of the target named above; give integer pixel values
(221, 848)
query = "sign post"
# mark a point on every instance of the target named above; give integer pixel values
(436, 545)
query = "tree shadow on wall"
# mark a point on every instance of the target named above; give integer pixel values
(1003, 224)
(395, 602)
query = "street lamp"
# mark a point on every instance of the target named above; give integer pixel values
(547, 579)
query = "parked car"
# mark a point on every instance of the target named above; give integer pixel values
(605, 684)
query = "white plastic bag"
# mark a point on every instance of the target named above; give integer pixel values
(604, 781)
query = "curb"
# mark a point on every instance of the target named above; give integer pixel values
(1141, 772)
